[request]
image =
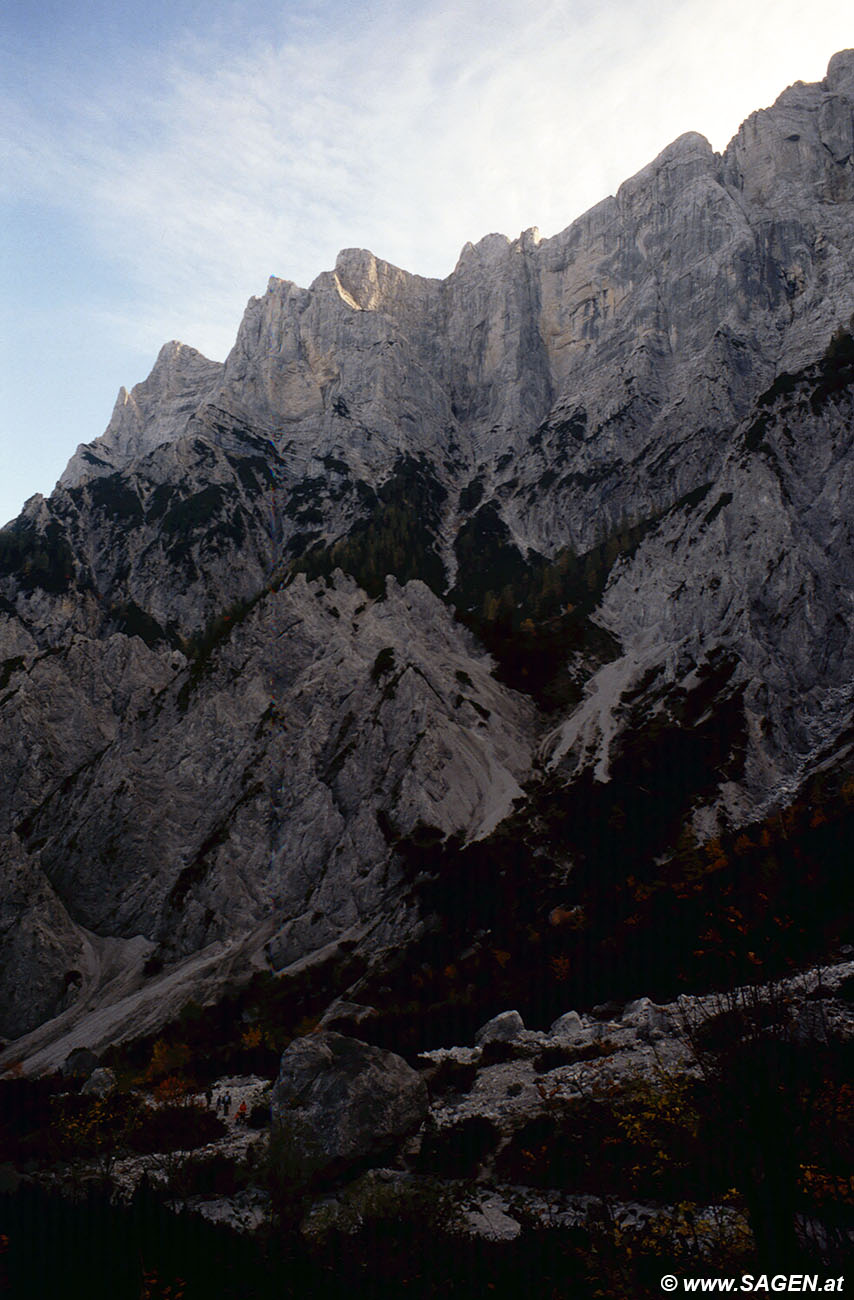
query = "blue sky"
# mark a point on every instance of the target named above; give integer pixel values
(158, 162)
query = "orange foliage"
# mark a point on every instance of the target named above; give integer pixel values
(153, 1288)
(252, 1036)
(172, 1089)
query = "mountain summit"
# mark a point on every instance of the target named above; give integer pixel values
(549, 562)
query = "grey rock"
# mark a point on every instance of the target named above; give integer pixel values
(490, 1221)
(44, 951)
(569, 1025)
(343, 1015)
(100, 1082)
(503, 1028)
(80, 1062)
(152, 413)
(645, 1016)
(344, 1102)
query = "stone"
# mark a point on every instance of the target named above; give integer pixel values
(645, 1016)
(345, 1017)
(100, 1082)
(80, 1062)
(345, 1103)
(503, 1028)
(490, 1221)
(569, 1025)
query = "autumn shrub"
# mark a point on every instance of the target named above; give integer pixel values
(174, 1128)
(453, 1076)
(627, 1253)
(208, 1175)
(259, 1116)
(291, 1171)
(776, 1114)
(562, 1148)
(459, 1150)
(26, 1116)
(94, 1128)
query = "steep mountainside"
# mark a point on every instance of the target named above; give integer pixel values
(422, 557)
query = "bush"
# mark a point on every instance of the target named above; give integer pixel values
(175, 1128)
(213, 1175)
(458, 1150)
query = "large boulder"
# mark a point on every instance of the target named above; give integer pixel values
(100, 1082)
(79, 1063)
(344, 1103)
(503, 1028)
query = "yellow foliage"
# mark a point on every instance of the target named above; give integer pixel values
(166, 1058)
(657, 1116)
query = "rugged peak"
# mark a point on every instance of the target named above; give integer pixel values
(488, 250)
(277, 285)
(684, 159)
(357, 278)
(840, 73)
(367, 283)
(798, 151)
(173, 352)
(153, 412)
(691, 144)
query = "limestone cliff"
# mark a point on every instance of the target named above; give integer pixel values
(243, 645)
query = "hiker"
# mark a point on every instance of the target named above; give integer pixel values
(241, 1113)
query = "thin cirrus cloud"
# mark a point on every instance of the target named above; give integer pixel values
(284, 133)
(207, 169)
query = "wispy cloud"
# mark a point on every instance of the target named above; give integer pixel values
(405, 128)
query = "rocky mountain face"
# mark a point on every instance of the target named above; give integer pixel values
(431, 563)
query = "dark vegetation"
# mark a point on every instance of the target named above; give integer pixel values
(135, 621)
(48, 1120)
(37, 558)
(201, 647)
(383, 664)
(113, 497)
(395, 537)
(533, 614)
(244, 1033)
(764, 1131)
(93, 1249)
(811, 389)
(8, 668)
(511, 925)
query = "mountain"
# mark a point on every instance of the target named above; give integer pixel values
(545, 564)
